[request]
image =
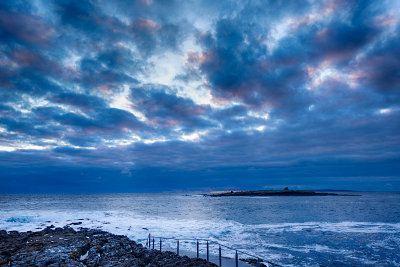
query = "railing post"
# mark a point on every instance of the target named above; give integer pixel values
(207, 252)
(177, 247)
(220, 258)
(197, 248)
(236, 259)
(160, 244)
(258, 262)
(153, 242)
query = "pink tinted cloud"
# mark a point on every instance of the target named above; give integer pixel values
(144, 24)
(30, 59)
(27, 28)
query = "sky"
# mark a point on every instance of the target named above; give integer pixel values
(199, 95)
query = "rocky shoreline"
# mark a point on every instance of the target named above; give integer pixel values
(85, 247)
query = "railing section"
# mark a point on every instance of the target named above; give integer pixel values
(151, 240)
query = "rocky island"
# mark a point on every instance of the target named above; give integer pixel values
(284, 192)
(67, 247)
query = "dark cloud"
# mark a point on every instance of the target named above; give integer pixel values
(28, 130)
(24, 29)
(79, 14)
(81, 101)
(379, 68)
(239, 71)
(293, 90)
(165, 109)
(103, 121)
(150, 35)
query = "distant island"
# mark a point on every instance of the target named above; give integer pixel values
(285, 192)
(333, 190)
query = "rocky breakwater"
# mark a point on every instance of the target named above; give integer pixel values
(86, 247)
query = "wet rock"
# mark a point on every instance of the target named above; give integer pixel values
(86, 247)
(254, 262)
(75, 223)
(3, 233)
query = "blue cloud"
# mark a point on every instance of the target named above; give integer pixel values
(211, 90)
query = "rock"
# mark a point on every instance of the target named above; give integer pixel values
(3, 233)
(86, 247)
(75, 223)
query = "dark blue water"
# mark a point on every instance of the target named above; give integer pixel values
(294, 231)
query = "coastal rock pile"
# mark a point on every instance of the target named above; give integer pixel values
(67, 247)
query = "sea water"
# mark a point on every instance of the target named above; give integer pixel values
(288, 230)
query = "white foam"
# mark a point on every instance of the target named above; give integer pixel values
(391, 243)
(339, 227)
(226, 232)
(83, 257)
(314, 247)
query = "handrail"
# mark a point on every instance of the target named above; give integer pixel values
(148, 243)
(211, 241)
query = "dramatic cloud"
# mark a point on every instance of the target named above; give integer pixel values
(199, 95)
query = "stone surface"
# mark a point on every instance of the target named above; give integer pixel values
(86, 247)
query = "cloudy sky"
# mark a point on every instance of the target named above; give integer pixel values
(197, 95)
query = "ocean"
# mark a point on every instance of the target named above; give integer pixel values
(290, 231)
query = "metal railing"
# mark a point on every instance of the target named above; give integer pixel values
(151, 243)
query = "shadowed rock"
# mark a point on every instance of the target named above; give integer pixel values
(67, 247)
